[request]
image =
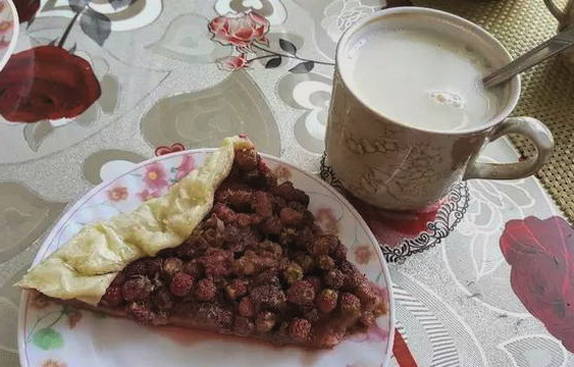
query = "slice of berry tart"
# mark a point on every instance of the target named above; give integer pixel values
(227, 250)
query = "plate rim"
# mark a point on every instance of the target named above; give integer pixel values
(15, 34)
(40, 253)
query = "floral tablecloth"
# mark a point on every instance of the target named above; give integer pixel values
(97, 86)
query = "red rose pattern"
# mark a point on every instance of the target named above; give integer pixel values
(26, 9)
(231, 63)
(363, 254)
(240, 30)
(46, 83)
(541, 254)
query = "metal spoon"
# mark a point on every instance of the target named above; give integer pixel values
(553, 46)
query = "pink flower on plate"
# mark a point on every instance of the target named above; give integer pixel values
(240, 30)
(231, 63)
(118, 193)
(155, 176)
(327, 221)
(146, 194)
(5, 26)
(52, 363)
(363, 254)
(187, 165)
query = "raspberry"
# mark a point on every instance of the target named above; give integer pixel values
(324, 244)
(339, 252)
(299, 329)
(295, 205)
(304, 236)
(289, 193)
(265, 321)
(327, 300)
(141, 312)
(290, 217)
(162, 299)
(136, 289)
(268, 296)
(244, 266)
(193, 268)
(293, 273)
(262, 204)
(367, 296)
(245, 220)
(225, 213)
(268, 277)
(367, 319)
(305, 261)
(217, 262)
(243, 326)
(269, 249)
(214, 316)
(350, 304)
(271, 226)
(353, 278)
(301, 293)
(144, 266)
(237, 288)
(246, 307)
(205, 290)
(246, 159)
(181, 284)
(315, 282)
(240, 200)
(325, 262)
(287, 237)
(113, 296)
(171, 266)
(329, 338)
(334, 279)
(312, 315)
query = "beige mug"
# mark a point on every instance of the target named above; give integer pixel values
(565, 19)
(399, 167)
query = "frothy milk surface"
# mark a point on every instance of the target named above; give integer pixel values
(422, 78)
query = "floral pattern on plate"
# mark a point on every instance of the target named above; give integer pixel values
(51, 334)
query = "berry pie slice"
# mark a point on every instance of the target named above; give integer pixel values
(227, 249)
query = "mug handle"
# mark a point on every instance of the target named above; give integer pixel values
(558, 13)
(529, 127)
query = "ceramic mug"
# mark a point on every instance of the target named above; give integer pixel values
(399, 167)
(565, 19)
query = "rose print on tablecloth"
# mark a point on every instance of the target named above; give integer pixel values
(50, 82)
(541, 254)
(231, 63)
(247, 33)
(46, 83)
(163, 149)
(26, 9)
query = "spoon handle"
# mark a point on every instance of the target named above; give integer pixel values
(553, 46)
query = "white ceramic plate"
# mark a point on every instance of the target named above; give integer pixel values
(51, 335)
(9, 27)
